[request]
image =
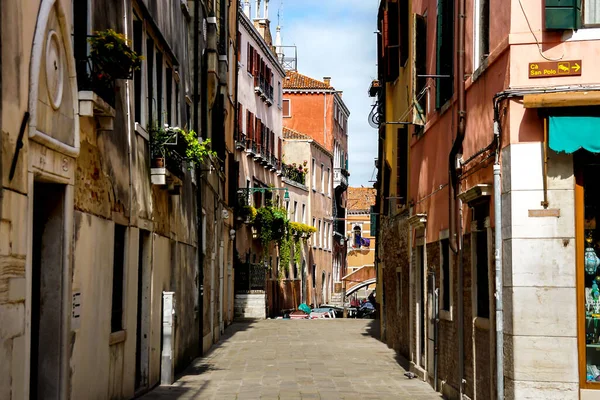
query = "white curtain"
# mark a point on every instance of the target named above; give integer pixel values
(591, 12)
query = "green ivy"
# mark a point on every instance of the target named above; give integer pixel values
(298, 251)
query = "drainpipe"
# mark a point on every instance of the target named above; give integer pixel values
(455, 215)
(498, 260)
(129, 116)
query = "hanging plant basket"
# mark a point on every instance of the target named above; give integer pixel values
(111, 55)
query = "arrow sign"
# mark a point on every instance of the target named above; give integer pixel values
(555, 69)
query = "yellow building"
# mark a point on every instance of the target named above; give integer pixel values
(360, 277)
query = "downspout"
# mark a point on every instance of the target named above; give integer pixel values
(498, 260)
(195, 124)
(455, 214)
(129, 116)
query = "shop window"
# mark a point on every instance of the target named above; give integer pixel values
(480, 261)
(116, 320)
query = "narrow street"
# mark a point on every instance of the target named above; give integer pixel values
(297, 359)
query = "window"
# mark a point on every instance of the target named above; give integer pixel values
(314, 236)
(314, 179)
(320, 242)
(591, 12)
(481, 258)
(391, 42)
(137, 75)
(250, 58)
(446, 279)
(481, 32)
(150, 81)
(239, 47)
(287, 108)
(159, 88)
(329, 181)
(280, 96)
(295, 216)
(322, 179)
(444, 52)
(404, 33)
(314, 275)
(169, 95)
(357, 237)
(116, 320)
(303, 213)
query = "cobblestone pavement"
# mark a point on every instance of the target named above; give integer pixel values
(297, 359)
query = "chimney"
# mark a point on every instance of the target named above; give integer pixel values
(266, 10)
(327, 80)
(247, 8)
(278, 40)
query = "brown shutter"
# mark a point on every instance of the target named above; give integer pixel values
(279, 149)
(258, 131)
(250, 126)
(272, 142)
(286, 108)
(249, 58)
(240, 120)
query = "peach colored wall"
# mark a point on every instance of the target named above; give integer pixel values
(429, 176)
(307, 116)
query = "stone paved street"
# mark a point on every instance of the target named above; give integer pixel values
(297, 359)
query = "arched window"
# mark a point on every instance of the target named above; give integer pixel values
(357, 237)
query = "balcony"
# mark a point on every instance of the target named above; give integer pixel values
(250, 147)
(294, 174)
(240, 140)
(258, 153)
(340, 178)
(263, 89)
(168, 171)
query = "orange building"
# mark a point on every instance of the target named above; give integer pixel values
(316, 109)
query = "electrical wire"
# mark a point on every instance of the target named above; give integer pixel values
(537, 42)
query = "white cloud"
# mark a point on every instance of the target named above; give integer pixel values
(335, 38)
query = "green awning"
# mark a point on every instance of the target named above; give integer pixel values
(570, 133)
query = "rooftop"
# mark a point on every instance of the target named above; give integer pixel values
(295, 80)
(361, 198)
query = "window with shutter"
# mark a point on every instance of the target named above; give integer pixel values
(249, 53)
(404, 32)
(287, 110)
(445, 52)
(393, 43)
(419, 68)
(279, 149)
(250, 126)
(240, 120)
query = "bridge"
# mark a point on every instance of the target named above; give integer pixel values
(360, 278)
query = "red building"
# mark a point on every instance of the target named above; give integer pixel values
(316, 108)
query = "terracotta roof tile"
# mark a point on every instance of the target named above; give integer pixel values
(295, 80)
(292, 134)
(361, 198)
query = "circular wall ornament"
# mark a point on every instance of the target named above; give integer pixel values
(54, 69)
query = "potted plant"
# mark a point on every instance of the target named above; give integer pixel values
(111, 56)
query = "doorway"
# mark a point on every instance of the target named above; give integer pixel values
(47, 284)
(421, 305)
(142, 348)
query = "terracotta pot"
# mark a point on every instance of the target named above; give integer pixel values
(158, 162)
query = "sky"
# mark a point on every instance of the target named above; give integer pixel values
(335, 38)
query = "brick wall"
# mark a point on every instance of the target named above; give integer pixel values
(395, 254)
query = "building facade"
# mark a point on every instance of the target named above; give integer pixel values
(496, 241)
(360, 234)
(103, 253)
(259, 160)
(317, 268)
(316, 109)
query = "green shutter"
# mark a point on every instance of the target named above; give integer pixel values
(563, 14)
(373, 228)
